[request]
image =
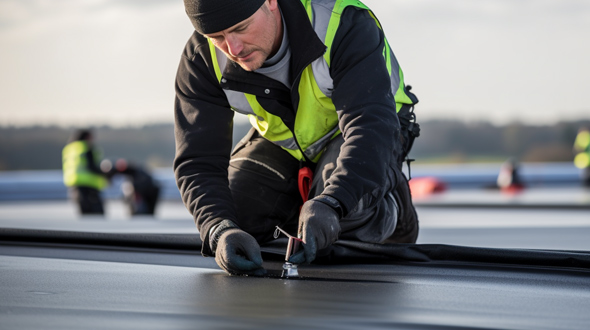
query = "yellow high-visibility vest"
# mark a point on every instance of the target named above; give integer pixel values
(75, 167)
(582, 144)
(316, 121)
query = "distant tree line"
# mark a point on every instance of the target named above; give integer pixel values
(39, 147)
(454, 141)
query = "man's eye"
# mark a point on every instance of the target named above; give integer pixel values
(216, 39)
(241, 28)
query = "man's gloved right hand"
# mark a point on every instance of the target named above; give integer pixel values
(319, 227)
(238, 253)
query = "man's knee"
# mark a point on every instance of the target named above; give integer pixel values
(373, 219)
(407, 227)
(385, 216)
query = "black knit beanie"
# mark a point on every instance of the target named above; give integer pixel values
(210, 16)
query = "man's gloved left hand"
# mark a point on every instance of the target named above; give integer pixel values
(319, 227)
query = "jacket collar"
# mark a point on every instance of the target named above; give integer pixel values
(305, 44)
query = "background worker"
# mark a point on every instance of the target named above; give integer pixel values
(582, 150)
(321, 88)
(509, 180)
(82, 173)
(140, 190)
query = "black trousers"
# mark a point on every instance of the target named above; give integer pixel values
(263, 182)
(88, 199)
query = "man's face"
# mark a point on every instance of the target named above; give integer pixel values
(253, 40)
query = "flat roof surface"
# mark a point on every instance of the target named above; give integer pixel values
(480, 224)
(81, 284)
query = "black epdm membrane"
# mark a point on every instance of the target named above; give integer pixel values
(54, 279)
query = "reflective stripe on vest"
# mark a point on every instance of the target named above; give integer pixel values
(75, 167)
(316, 122)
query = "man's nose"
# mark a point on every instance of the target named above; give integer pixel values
(234, 45)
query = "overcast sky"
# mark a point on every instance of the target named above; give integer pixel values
(72, 62)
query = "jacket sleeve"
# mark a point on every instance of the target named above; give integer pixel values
(366, 109)
(92, 165)
(203, 132)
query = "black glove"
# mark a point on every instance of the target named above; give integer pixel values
(238, 253)
(319, 227)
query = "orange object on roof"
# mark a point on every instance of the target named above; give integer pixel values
(512, 189)
(421, 187)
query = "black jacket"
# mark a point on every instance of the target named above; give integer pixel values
(362, 96)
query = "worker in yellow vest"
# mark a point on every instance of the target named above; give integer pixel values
(82, 173)
(332, 123)
(582, 150)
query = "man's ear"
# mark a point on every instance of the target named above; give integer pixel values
(272, 4)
